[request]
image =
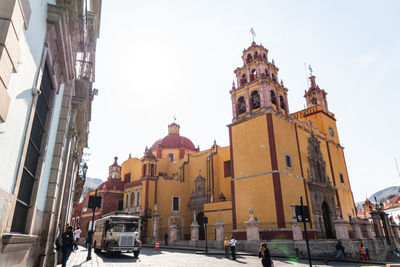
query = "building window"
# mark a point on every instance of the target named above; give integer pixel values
(241, 105)
(152, 168)
(126, 200)
(273, 98)
(29, 176)
(171, 156)
(138, 198)
(227, 168)
(175, 203)
(127, 178)
(341, 178)
(255, 100)
(120, 204)
(282, 102)
(314, 101)
(132, 199)
(288, 161)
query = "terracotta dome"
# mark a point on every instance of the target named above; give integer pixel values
(112, 184)
(173, 140)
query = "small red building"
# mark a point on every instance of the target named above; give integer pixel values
(112, 193)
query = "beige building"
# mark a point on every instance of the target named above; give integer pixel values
(47, 56)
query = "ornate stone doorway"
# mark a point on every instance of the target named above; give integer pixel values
(200, 221)
(327, 220)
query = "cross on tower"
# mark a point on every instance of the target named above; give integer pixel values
(252, 33)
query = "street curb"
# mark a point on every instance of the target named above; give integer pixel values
(203, 252)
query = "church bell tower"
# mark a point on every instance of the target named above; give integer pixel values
(257, 88)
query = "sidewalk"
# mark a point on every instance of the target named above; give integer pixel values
(244, 253)
(78, 259)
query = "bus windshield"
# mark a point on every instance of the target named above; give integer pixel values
(123, 227)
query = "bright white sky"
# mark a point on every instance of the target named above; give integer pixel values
(159, 59)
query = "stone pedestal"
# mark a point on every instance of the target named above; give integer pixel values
(173, 232)
(378, 228)
(367, 229)
(156, 226)
(252, 230)
(356, 228)
(219, 229)
(297, 230)
(341, 229)
(194, 230)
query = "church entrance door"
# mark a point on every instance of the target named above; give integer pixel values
(327, 220)
(200, 221)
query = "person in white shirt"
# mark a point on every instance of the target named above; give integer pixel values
(77, 235)
(232, 244)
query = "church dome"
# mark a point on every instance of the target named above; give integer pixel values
(173, 140)
(111, 184)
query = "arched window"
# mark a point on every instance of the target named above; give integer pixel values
(282, 102)
(264, 56)
(314, 101)
(152, 170)
(132, 199)
(241, 105)
(273, 98)
(249, 58)
(255, 55)
(126, 200)
(243, 81)
(273, 77)
(144, 170)
(266, 73)
(253, 75)
(171, 156)
(255, 100)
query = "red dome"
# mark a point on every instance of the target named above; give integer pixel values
(173, 141)
(112, 184)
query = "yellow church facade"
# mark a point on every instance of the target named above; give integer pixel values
(274, 158)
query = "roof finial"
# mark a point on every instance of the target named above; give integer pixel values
(115, 161)
(233, 85)
(253, 33)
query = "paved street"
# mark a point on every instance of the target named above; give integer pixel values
(179, 258)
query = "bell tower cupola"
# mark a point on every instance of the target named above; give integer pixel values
(114, 171)
(316, 96)
(257, 86)
(173, 129)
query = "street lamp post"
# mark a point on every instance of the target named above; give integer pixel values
(205, 228)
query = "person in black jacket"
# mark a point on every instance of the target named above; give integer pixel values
(67, 244)
(265, 256)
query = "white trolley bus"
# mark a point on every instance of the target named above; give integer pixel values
(117, 233)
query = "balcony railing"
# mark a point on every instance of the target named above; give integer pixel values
(84, 70)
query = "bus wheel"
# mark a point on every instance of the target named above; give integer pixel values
(136, 254)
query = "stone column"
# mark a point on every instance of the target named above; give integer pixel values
(173, 233)
(252, 227)
(219, 229)
(377, 224)
(356, 227)
(341, 229)
(194, 229)
(156, 223)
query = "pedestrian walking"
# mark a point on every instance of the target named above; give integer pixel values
(340, 250)
(363, 253)
(232, 245)
(77, 235)
(226, 246)
(67, 244)
(265, 256)
(166, 238)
